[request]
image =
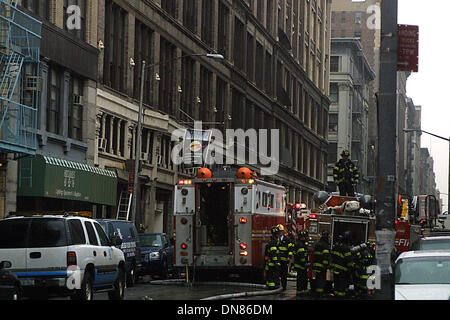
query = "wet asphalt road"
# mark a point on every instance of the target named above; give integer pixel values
(145, 290)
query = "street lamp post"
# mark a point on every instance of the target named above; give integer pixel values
(137, 148)
(443, 138)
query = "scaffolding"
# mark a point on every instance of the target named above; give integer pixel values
(20, 38)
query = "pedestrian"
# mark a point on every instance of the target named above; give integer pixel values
(285, 246)
(301, 263)
(321, 260)
(345, 174)
(341, 266)
(272, 262)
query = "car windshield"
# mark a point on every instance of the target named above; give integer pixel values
(435, 244)
(423, 270)
(150, 240)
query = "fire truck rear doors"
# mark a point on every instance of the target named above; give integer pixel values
(358, 228)
(214, 236)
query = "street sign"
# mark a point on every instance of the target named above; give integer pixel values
(408, 48)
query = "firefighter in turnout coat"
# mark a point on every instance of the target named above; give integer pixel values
(301, 263)
(272, 261)
(321, 260)
(345, 174)
(285, 246)
(341, 266)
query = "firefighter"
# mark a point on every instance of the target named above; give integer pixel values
(341, 266)
(365, 259)
(301, 263)
(285, 246)
(272, 262)
(345, 174)
(321, 259)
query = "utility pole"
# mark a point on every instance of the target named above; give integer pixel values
(387, 180)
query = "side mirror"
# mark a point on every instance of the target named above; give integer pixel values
(5, 264)
(116, 241)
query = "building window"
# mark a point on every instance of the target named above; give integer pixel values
(75, 114)
(38, 7)
(189, 15)
(334, 64)
(54, 101)
(343, 16)
(334, 92)
(187, 89)
(80, 33)
(142, 51)
(250, 56)
(239, 39)
(114, 52)
(268, 73)
(333, 123)
(222, 32)
(170, 7)
(207, 22)
(205, 95)
(167, 75)
(358, 17)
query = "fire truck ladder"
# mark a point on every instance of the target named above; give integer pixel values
(123, 209)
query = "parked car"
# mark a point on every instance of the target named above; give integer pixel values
(422, 275)
(64, 255)
(10, 288)
(157, 254)
(432, 243)
(127, 231)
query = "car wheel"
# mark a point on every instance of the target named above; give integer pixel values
(86, 292)
(164, 270)
(131, 277)
(16, 293)
(118, 293)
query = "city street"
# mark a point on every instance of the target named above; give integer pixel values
(144, 290)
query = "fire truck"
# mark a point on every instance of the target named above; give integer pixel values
(416, 218)
(339, 214)
(223, 219)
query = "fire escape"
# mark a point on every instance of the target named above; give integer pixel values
(20, 37)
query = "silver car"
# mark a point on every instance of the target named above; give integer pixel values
(423, 275)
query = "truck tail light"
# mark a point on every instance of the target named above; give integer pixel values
(184, 220)
(243, 253)
(184, 246)
(71, 258)
(243, 220)
(243, 246)
(313, 216)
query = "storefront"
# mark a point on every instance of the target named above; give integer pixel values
(52, 184)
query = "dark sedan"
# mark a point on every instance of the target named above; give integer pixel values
(9, 284)
(157, 254)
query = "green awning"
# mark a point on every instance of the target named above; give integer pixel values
(43, 176)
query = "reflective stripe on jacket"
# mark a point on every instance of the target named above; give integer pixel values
(345, 171)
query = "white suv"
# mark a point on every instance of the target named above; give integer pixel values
(67, 255)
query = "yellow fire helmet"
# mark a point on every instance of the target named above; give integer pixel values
(280, 227)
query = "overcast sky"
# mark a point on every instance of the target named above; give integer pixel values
(429, 86)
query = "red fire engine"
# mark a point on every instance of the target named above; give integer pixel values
(223, 219)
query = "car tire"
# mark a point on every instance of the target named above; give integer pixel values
(131, 277)
(16, 295)
(86, 292)
(164, 270)
(118, 293)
